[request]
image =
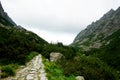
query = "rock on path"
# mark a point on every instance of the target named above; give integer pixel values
(33, 71)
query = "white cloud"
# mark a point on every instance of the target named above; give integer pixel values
(53, 37)
(58, 17)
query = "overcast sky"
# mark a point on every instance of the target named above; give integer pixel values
(57, 20)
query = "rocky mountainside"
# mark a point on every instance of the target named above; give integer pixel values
(96, 33)
(4, 18)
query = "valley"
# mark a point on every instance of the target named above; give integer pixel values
(93, 55)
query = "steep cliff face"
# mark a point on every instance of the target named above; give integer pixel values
(95, 34)
(4, 18)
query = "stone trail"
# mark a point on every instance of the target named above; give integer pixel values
(33, 71)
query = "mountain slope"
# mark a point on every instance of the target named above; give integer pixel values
(4, 18)
(18, 46)
(93, 36)
(16, 42)
(109, 53)
(102, 39)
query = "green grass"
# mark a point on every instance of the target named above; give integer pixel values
(90, 67)
(31, 56)
(54, 72)
(8, 70)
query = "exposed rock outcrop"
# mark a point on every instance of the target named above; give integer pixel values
(94, 35)
(4, 17)
(80, 78)
(55, 56)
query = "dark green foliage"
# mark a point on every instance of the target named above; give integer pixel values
(68, 52)
(16, 46)
(90, 67)
(31, 56)
(18, 43)
(109, 53)
(7, 71)
(54, 72)
(5, 22)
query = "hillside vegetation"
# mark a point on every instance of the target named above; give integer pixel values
(18, 46)
(95, 33)
(101, 40)
(109, 53)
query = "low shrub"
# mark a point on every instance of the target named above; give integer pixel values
(7, 71)
(30, 56)
(54, 72)
(91, 68)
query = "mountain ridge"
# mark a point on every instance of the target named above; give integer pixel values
(4, 16)
(102, 28)
(15, 40)
(18, 46)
